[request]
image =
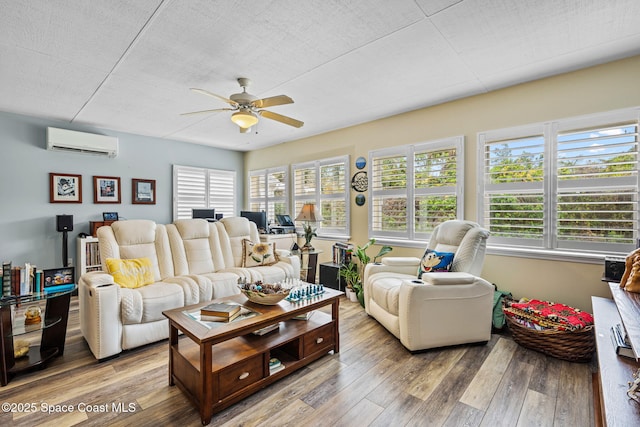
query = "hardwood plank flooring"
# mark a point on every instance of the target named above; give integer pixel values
(373, 381)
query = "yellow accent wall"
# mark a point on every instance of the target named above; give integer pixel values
(601, 88)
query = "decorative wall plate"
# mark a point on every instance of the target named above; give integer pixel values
(361, 162)
(360, 182)
(360, 199)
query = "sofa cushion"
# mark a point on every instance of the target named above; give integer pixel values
(435, 261)
(130, 273)
(258, 254)
(147, 303)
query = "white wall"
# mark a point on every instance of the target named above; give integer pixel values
(27, 219)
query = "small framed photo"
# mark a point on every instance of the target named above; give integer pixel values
(106, 189)
(65, 188)
(58, 276)
(109, 216)
(143, 191)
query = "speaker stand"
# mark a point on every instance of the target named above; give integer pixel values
(65, 250)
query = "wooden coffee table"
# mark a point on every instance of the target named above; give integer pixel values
(220, 365)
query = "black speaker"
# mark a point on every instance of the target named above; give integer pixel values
(219, 216)
(64, 222)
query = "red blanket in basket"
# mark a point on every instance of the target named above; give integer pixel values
(550, 315)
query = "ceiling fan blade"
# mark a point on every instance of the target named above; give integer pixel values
(272, 101)
(207, 111)
(206, 92)
(280, 118)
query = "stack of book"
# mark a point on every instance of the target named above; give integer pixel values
(219, 312)
(620, 341)
(19, 280)
(275, 365)
(342, 253)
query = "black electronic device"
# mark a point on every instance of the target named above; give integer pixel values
(259, 218)
(219, 216)
(109, 216)
(208, 214)
(613, 268)
(284, 220)
(64, 222)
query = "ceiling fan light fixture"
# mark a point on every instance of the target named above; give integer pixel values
(244, 119)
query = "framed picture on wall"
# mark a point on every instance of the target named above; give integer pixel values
(65, 188)
(143, 191)
(106, 189)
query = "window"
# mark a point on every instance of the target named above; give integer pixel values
(326, 184)
(413, 188)
(203, 188)
(568, 185)
(269, 191)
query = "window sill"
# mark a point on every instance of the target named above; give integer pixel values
(532, 253)
(551, 255)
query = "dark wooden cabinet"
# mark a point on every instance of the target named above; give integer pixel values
(330, 275)
(612, 405)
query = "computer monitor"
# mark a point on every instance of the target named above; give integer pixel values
(284, 220)
(208, 214)
(260, 218)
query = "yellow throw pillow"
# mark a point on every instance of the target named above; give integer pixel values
(130, 273)
(258, 254)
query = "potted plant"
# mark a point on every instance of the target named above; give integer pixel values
(352, 273)
(352, 279)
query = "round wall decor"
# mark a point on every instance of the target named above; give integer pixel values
(361, 162)
(360, 199)
(360, 182)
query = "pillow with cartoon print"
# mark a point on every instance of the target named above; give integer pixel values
(435, 261)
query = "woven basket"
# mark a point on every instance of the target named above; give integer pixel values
(574, 346)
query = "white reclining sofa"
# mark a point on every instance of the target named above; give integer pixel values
(192, 261)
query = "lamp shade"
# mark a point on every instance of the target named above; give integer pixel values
(308, 213)
(245, 119)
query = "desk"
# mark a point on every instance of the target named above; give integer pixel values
(282, 241)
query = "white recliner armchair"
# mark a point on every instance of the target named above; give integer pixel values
(441, 308)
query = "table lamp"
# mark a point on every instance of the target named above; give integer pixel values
(308, 214)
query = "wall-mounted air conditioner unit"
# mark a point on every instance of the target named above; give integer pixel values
(81, 142)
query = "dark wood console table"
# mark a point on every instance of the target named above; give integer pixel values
(612, 405)
(53, 326)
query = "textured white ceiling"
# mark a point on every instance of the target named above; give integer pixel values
(128, 65)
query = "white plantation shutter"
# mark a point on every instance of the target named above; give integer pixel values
(222, 189)
(389, 193)
(326, 184)
(202, 188)
(513, 202)
(597, 194)
(414, 188)
(571, 185)
(269, 191)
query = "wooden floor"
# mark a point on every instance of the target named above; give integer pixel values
(373, 381)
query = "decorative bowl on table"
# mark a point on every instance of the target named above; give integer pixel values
(264, 293)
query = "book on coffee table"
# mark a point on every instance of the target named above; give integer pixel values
(220, 309)
(208, 318)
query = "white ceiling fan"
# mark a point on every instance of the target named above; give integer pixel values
(248, 107)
